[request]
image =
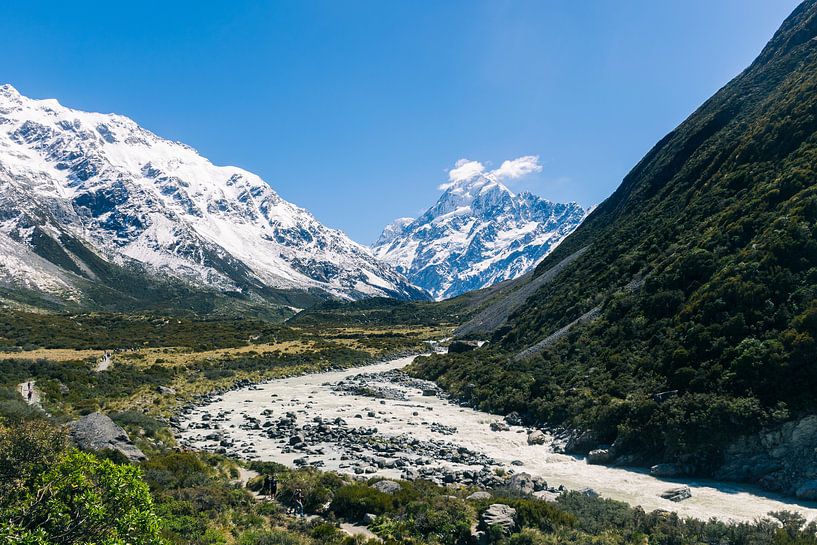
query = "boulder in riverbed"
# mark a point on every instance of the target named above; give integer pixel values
(499, 426)
(537, 437)
(599, 456)
(680, 493)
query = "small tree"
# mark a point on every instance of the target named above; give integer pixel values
(55, 495)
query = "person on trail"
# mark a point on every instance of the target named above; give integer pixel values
(299, 502)
(30, 394)
(270, 488)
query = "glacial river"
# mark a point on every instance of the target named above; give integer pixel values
(420, 416)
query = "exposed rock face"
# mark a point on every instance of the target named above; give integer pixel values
(499, 514)
(783, 459)
(96, 431)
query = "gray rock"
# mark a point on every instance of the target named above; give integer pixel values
(537, 437)
(480, 495)
(499, 426)
(387, 487)
(96, 431)
(501, 515)
(599, 456)
(368, 518)
(589, 492)
(165, 390)
(677, 494)
(548, 495)
(522, 483)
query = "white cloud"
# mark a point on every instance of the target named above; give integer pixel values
(463, 170)
(466, 169)
(516, 168)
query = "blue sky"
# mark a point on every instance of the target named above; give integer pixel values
(356, 109)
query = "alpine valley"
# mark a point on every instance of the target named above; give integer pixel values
(188, 359)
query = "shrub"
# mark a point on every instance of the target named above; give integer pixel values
(355, 500)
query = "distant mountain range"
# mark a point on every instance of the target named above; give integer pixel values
(97, 211)
(477, 234)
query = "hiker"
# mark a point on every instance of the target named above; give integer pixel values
(299, 502)
(30, 393)
(270, 486)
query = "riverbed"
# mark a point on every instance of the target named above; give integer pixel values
(402, 428)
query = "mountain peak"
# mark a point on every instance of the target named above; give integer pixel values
(393, 230)
(477, 233)
(8, 90)
(138, 200)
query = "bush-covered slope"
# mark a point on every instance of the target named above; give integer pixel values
(700, 272)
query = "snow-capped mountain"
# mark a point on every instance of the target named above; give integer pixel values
(81, 192)
(477, 234)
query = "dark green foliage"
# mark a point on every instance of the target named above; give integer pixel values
(125, 331)
(355, 500)
(51, 494)
(384, 312)
(704, 267)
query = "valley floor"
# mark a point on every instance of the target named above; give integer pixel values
(391, 429)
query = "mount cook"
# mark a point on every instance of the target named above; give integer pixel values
(478, 233)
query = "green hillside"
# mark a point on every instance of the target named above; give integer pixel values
(698, 274)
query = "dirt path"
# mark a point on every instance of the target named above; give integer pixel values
(104, 363)
(244, 476)
(30, 386)
(356, 530)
